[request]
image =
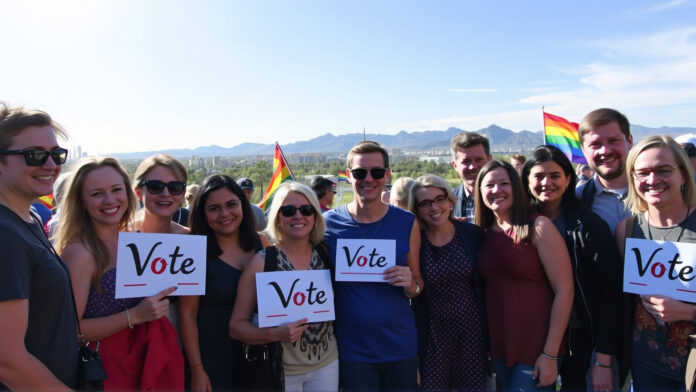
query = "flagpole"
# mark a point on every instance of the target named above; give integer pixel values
(286, 160)
(543, 126)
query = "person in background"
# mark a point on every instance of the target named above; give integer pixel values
(99, 203)
(400, 193)
(452, 333)
(325, 191)
(584, 173)
(310, 353)
(223, 214)
(386, 193)
(662, 195)
(191, 192)
(470, 151)
(594, 325)
(517, 161)
(528, 282)
(58, 193)
(38, 328)
(248, 187)
(688, 143)
(45, 213)
(375, 325)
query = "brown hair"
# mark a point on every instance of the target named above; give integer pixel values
(601, 117)
(469, 139)
(367, 147)
(14, 120)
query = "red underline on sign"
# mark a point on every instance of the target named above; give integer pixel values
(277, 315)
(321, 311)
(637, 284)
(187, 284)
(688, 291)
(135, 284)
(362, 273)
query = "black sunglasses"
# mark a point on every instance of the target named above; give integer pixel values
(156, 187)
(39, 157)
(289, 210)
(377, 173)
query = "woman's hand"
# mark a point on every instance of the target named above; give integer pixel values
(668, 309)
(601, 378)
(545, 370)
(199, 380)
(399, 275)
(151, 308)
(290, 332)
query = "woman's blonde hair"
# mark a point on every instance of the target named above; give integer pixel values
(76, 225)
(401, 191)
(164, 160)
(688, 190)
(426, 181)
(273, 230)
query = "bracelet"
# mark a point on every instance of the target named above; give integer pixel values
(549, 356)
(196, 365)
(416, 293)
(596, 363)
(130, 324)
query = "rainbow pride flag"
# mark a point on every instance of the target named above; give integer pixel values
(561, 133)
(343, 176)
(281, 173)
(47, 201)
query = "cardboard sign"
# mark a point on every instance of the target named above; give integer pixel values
(362, 260)
(147, 263)
(660, 267)
(287, 296)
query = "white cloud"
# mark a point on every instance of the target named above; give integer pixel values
(473, 90)
(660, 7)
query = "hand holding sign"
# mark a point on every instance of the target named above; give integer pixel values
(399, 275)
(151, 308)
(290, 332)
(667, 309)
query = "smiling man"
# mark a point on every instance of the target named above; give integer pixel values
(470, 151)
(605, 138)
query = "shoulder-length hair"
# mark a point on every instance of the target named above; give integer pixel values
(521, 218)
(688, 191)
(426, 181)
(198, 223)
(76, 225)
(543, 154)
(164, 160)
(273, 230)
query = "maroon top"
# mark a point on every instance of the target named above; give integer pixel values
(518, 298)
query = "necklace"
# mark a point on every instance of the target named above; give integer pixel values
(379, 224)
(681, 224)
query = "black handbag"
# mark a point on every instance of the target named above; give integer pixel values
(91, 373)
(261, 368)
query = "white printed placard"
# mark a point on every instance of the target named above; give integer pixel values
(287, 296)
(660, 267)
(147, 263)
(363, 260)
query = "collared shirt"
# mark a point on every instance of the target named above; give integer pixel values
(468, 205)
(609, 204)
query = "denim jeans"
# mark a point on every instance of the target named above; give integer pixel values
(385, 376)
(645, 380)
(517, 378)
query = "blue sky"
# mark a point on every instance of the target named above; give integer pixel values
(143, 75)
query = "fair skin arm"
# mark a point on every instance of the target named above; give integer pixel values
(19, 370)
(241, 327)
(556, 262)
(188, 325)
(408, 276)
(81, 264)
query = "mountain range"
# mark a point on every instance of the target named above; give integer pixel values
(502, 140)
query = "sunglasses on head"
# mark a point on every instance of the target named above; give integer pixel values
(290, 210)
(39, 157)
(156, 187)
(377, 173)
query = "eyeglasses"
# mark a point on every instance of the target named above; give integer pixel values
(440, 200)
(39, 157)
(290, 210)
(662, 171)
(156, 187)
(377, 173)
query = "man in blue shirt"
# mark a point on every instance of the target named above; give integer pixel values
(470, 151)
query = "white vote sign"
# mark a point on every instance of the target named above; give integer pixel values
(147, 263)
(287, 296)
(363, 260)
(660, 267)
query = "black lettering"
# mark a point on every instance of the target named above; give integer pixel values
(283, 299)
(140, 267)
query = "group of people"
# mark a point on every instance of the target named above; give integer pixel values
(516, 273)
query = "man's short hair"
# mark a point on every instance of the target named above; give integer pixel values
(15, 119)
(599, 117)
(468, 139)
(519, 157)
(320, 185)
(367, 147)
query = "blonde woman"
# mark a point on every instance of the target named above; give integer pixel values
(310, 354)
(400, 194)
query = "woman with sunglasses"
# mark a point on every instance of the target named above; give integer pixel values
(223, 214)
(310, 354)
(38, 328)
(662, 195)
(593, 331)
(98, 204)
(529, 282)
(452, 333)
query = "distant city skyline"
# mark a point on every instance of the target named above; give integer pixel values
(125, 76)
